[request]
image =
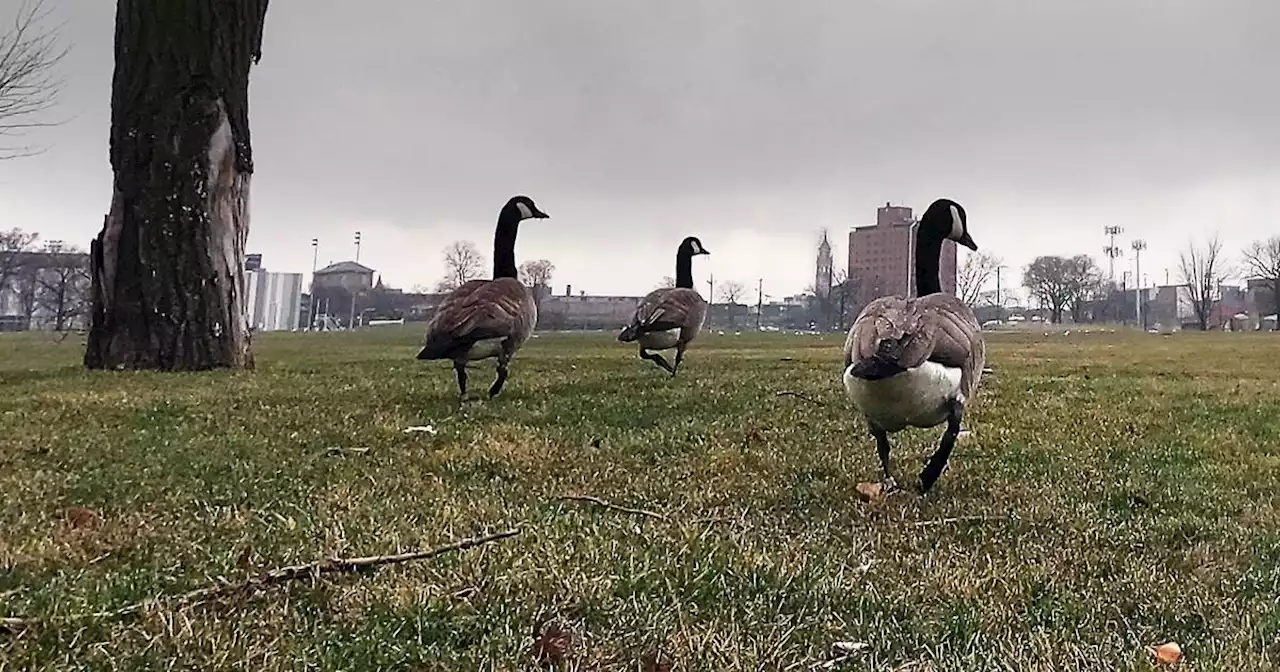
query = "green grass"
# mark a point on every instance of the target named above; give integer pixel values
(1117, 490)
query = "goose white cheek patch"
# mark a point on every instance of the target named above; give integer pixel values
(957, 225)
(525, 212)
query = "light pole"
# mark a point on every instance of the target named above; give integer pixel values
(711, 300)
(357, 247)
(315, 256)
(1138, 246)
(759, 302)
(999, 298)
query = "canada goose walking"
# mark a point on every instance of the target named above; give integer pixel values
(916, 362)
(487, 318)
(670, 317)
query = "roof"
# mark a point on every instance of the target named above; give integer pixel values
(344, 267)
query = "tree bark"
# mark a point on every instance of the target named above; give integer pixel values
(167, 269)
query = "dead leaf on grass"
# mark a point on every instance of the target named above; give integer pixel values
(655, 661)
(870, 492)
(81, 518)
(552, 643)
(1167, 653)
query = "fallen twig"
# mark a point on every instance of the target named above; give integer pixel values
(267, 579)
(959, 519)
(801, 395)
(600, 502)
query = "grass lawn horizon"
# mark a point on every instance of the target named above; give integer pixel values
(1116, 491)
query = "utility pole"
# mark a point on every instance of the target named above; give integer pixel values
(999, 298)
(357, 247)
(1138, 246)
(315, 256)
(711, 300)
(759, 302)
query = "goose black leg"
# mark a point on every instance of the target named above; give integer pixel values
(460, 368)
(657, 359)
(504, 361)
(882, 447)
(937, 463)
(679, 358)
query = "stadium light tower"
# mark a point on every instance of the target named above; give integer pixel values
(1111, 250)
(1138, 246)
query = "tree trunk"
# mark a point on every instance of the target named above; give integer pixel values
(167, 269)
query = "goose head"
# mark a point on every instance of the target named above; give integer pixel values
(522, 208)
(946, 219)
(691, 246)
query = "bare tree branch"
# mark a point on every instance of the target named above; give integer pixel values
(536, 275)
(1200, 270)
(1061, 283)
(29, 87)
(1261, 262)
(267, 579)
(14, 244)
(974, 274)
(731, 291)
(463, 262)
(62, 287)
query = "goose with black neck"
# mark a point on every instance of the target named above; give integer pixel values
(483, 319)
(916, 362)
(670, 317)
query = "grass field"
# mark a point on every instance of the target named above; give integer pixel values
(1116, 491)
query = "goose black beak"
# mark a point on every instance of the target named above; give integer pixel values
(968, 242)
(538, 214)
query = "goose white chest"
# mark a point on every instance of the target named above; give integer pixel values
(914, 398)
(484, 349)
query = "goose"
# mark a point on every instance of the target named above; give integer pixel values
(482, 319)
(916, 362)
(670, 317)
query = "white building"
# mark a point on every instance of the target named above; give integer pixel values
(273, 300)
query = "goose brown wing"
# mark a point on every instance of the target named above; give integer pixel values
(957, 338)
(479, 310)
(665, 309)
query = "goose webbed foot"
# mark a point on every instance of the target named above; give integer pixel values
(938, 462)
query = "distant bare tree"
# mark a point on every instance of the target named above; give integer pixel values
(536, 275)
(1262, 264)
(462, 262)
(731, 291)
(1201, 269)
(14, 243)
(1061, 283)
(62, 288)
(28, 85)
(974, 274)
(665, 282)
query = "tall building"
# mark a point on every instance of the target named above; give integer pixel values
(273, 300)
(881, 256)
(822, 275)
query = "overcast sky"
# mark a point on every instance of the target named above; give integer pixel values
(751, 124)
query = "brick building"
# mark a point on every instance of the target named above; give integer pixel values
(881, 256)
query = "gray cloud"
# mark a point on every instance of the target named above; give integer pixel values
(628, 119)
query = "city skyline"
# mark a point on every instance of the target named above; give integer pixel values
(1163, 126)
